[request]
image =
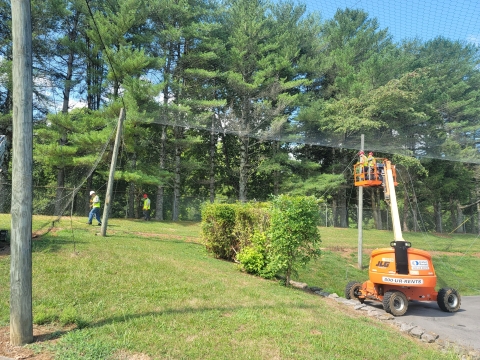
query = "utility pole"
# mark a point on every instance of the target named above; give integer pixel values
(360, 215)
(21, 318)
(113, 165)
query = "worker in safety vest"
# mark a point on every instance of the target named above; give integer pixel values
(363, 159)
(363, 162)
(371, 166)
(146, 207)
(95, 211)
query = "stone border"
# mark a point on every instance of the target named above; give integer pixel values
(417, 332)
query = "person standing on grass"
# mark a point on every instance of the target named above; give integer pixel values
(95, 205)
(146, 207)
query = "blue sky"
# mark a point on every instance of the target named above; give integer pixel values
(406, 19)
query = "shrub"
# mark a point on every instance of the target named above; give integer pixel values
(252, 257)
(228, 228)
(293, 234)
(218, 222)
(250, 218)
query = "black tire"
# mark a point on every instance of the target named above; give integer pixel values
(395, 302)
(352, 290)
(449, 299)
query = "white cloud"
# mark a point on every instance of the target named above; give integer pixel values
(474, 39)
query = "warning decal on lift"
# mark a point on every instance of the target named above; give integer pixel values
(402, 281)
(419, 265)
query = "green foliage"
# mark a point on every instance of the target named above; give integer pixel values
(266, 242)
(228, 228)
(250, 218)
(218, 223)
(293, 234)
(253, 257)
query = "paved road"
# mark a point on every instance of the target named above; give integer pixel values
(462, 327)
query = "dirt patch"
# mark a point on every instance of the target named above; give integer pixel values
(41, 334)
(190, 239)
(48, 335)
(345, 252)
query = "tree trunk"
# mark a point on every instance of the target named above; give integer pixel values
(131, 191)
(176, 182)
(87, 193)
(213, 151)
(340, 209)
(131, 200)
(478, 218)
(453, 217)
(231, 180)
(242, 184)
(377, 216)
(160, 189)
(334, 212)
(60, 191)
(437, 209)
(65, 105)
(276, 173)
(460, 224)
(94, 76)
(4, 193)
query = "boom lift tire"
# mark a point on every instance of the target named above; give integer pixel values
(395, 302)
(352, 291)
(448, 300)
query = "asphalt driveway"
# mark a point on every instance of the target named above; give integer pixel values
(462, 327)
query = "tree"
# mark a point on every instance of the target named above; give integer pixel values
(86, 133)
(353, 65)
(260, 73)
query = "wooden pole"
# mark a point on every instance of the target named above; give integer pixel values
(21, 319)
(113, 165)
(360, 215)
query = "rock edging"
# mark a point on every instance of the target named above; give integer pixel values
(408, 328)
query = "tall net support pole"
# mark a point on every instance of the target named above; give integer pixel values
(360, 215)
(21, 318)
(113, 165)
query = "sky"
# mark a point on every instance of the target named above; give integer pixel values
(407, 19)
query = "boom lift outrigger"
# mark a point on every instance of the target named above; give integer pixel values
(399, 273)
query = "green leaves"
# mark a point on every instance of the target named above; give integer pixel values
(293, 234)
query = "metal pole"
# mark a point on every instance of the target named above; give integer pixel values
(113, 164)
(21, 318)
(360, 215)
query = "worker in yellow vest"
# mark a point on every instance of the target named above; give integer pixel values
(363, 162)
(371, 166)
(146, 207)
(95, 211)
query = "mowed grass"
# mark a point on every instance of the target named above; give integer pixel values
(150, 288)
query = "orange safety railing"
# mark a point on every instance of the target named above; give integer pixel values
(372, 175)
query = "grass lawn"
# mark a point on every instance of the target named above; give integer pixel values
(149, 290)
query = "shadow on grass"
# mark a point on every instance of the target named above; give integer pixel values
(226, 310)
(52, 244)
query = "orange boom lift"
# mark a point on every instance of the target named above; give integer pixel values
(400, 273)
